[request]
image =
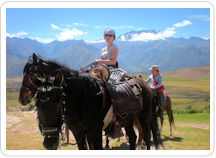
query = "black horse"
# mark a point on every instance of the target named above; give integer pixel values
(84, 111)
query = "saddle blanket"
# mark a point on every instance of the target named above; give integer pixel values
(125, 97)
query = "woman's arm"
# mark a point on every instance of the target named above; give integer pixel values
(114, 55)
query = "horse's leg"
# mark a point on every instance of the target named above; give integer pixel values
(67, 133)
(170, 129)
(147, 133)
(79, 135)
(161, 121)
(94, 137)
(132, 136)
(169, 113)
(81, 141)
(98, 141)
(140, 130)
(155, 131)
(107, 143)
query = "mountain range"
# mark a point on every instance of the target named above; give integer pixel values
(134, 56)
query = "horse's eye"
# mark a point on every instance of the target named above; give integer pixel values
(34, 80)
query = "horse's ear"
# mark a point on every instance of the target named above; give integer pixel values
(58, 78)
(35, 59)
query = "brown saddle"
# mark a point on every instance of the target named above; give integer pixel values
(125, 93)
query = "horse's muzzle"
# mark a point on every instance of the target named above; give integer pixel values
(51, 143)
(24, 101)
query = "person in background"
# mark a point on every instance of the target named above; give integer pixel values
(109, 53)
(156, 83)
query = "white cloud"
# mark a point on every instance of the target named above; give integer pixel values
(150, 36)
(122, 38)
(68, 34)
(73, 24)
(183, 23)
(115, 27)
(205, 38)
(79, 24)
(55, 27)
(200, 17)
(16, 34)
(122, 27)
(42, 40)
(96, 41)
(99, 27)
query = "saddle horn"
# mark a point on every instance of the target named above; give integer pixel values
(101, 72)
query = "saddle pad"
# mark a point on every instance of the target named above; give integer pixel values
(117, 91)
(117, 75)
(123, 98)
(126, 105)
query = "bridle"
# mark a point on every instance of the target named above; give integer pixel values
(33, 86)
(50, 132)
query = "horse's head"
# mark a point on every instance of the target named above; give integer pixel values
(50, 116)
(50, 109)
(34, 74)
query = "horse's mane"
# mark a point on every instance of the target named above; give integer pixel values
(68, 73)
(75, 74)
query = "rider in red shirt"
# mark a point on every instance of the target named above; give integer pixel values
(156, 83)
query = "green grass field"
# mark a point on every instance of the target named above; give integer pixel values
(190, 104)
(191, 132)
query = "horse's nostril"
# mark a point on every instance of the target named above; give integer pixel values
(23, 102)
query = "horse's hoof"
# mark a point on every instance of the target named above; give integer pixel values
(106, 148)
(138, 147)
(157, 147)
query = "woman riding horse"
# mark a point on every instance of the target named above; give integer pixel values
(109, 53)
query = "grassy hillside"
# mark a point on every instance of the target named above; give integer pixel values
(184, 92)
(190, 73)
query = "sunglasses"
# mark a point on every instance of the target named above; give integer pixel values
(108, 35)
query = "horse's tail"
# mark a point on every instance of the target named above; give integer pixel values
(170, 110)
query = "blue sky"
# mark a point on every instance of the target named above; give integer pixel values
(61, 24)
